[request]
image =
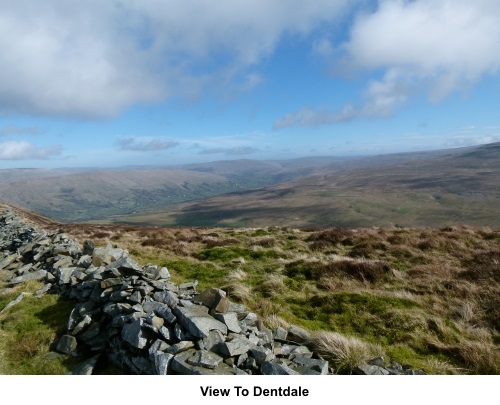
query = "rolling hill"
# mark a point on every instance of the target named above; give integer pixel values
(458, 187)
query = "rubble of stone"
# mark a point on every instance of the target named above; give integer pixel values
(140, 321)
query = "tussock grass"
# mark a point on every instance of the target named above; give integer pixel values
(344, 352)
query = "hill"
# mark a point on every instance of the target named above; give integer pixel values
(90, 194)
(458, 187)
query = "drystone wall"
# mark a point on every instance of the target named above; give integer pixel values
(139, 320)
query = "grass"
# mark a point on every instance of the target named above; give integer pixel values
(29, 330)
(425, 297)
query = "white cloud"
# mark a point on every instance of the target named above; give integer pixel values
(95, 58)
(145, 144)
(439, 45)
(23, 150)
(432, 46)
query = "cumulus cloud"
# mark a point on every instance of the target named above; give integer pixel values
(95, 58)
(438, 46)
(23, 150)
(237, 151)
(431, 47)
(145, 144)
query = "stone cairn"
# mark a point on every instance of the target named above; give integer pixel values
(140, 320)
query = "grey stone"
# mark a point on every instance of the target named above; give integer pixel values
(64, 274)
(213, 298)
(297, 334)
(368, 369)
(36, 275)
(280, 333)
(67, 344)
(165, 333)
(88, 247)
(162, 362)
(43, 290)
(275, 368)
(181, 366)
(230, 319)
(12, 303)
(85, 261)
(180, 347)
(212, 340)
(86, 367)
(204, 358)
(318, 365)
(91, 332)
(261, 354)
(132, 333)
(234, 347)
(6, 261)
(197, 322)
(167, 297)
(377, 361)
(86, 321)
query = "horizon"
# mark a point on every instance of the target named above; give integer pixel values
(167, 83)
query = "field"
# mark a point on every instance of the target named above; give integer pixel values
(426, 297)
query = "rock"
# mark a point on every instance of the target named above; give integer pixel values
(162, 362)
(299, 335)
(213, 298)
(368, 369)
(12, 303)
(280, 333)
(261, 354)
(86, 367)
(167, 297)
(6, 261)
(64, 274)
(234, 347)
(377, 361)
(230, 319)
(88, 248)
(181, 366)
(36, 275)
(180, 347)
(204, 358)
(275, 368)
(321, 366)
(67, 344)
(132, 333)
(197, 322)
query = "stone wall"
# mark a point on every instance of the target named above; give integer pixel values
(138, 319)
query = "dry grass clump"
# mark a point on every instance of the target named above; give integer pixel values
(343, 352)
(238, 291)
(273, 285)
(478, 357)
(274, 321)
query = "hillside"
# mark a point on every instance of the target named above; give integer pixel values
(90, 194)
(426, 298)
(459, 187)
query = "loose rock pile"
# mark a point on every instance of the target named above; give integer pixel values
(140, 320)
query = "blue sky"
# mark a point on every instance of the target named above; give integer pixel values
(129, 82)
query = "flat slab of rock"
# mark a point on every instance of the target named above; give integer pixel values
(197, 321)
(36, 275)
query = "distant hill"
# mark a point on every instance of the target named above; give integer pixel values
(350, 191)
(457, 187)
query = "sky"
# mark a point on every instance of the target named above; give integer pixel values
(164, 82)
